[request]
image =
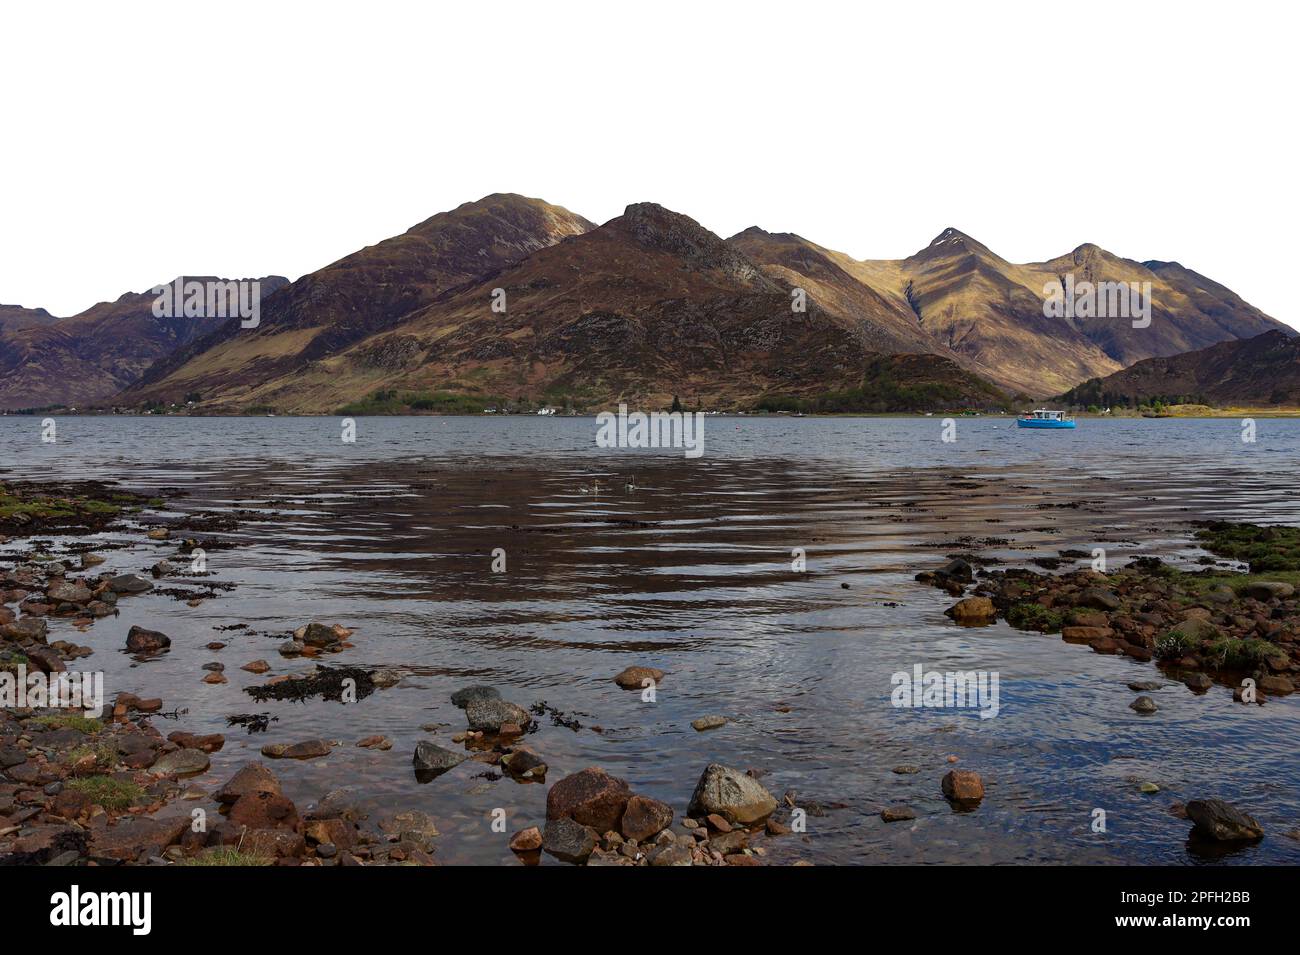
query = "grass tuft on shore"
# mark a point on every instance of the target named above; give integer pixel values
(1175, 644)
(82, 724)
(226, 856)
(114, 794)
(1237, 654)
(104, 755)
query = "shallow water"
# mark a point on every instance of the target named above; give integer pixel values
(690, 571)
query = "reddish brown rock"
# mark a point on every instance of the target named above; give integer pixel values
(251, 778)
(263, 810)
(644, 817)
(591, 797)
(70, 803)
(1086, 634)
(526, 840)
(337, 832)
(963, 786)
(1084, 618)
(140, 640)
(45, 659)
(307, 749)
(729, 842)
(633, 678)
(210, 743)
(1277, 685)
(270, 843)
(136, 836)
(41, 843)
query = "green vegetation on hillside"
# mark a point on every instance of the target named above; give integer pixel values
(1093, 393)
(881, 391)
(390, 402)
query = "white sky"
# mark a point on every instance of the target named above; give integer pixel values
(243, 139)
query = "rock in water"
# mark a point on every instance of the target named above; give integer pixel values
(731, 794)
(963, 786)
(956, 569)
(568, 841)
(972, 610)
(1143, 704)
(1222, 822)
(68, 592)
(633, 678)
(307, 749)
(322, 635)
(432, 758)
(128, 584)
(708, 723)
(1280, 685)
(181, 762)
(140, 640)
(521, 761)
(591, 797)
(463, 697)
(488, 715)
(526, 840)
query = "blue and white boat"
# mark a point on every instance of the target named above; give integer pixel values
(1042, 418)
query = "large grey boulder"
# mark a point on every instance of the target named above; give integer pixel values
(732, 795)
(466, 695)
(488, 715)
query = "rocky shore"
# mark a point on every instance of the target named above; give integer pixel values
(113, 789)
(1231, 626)
(1220, 625)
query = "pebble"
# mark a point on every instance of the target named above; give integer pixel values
(708, 723)
(897, 813)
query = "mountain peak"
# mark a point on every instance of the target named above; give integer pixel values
(658, 228)
(949, 235)
(511, 210)
(954, 242)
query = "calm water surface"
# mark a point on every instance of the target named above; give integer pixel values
(690, 571)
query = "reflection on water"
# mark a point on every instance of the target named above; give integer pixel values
(648, 558)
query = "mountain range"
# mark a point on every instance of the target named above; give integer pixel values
(511, 299)
(1253, 372)
(89, 357)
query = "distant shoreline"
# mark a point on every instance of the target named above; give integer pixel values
(1206, 414)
